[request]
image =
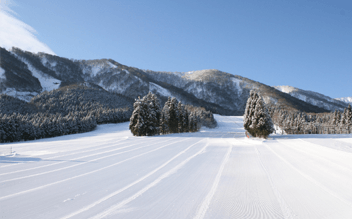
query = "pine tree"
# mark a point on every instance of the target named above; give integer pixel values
(138, 125)
(348, 115)
(153, 114)
(173, 116)
(185, 121)
(164, 128)
(181, 110)
(257, 120)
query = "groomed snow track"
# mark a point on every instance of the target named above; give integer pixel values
(215, 173)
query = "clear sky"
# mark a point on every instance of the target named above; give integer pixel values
(301, 43)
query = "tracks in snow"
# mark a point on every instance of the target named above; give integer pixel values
(84, 174)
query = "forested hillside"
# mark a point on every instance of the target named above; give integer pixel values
(68, 110)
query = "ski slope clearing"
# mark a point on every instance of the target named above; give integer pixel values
(215, 173)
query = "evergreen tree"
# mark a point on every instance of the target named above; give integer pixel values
(164, 128)
(348, 115)
(181, 114)
(138, 125)
(185, 121)
(257, 120)
(173, 116)
(153, 114)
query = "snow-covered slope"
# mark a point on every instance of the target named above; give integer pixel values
(212, 89)
(215, 173)
(345, 99)
(313, 98)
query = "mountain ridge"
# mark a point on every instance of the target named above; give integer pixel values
(313, 98)
(215, 90)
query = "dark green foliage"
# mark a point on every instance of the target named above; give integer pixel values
(69, 110)
(9, 105)
(148, 120)
(145, 119)
(181, 117)
(295, 122)
(257, 120)
(138, 120)
(17, 127)
(173, 115)
(106, 107)
(17, 74)
(164, 128)
(153, 114)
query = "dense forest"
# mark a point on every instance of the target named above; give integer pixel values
(68, 110)
(148, 118)
(79, 108)
(296, 122)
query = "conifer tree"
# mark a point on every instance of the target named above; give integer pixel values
(181, 110)
(173, 116)
(153, 114)
(164, 128)
(138, 125)
(257, 120)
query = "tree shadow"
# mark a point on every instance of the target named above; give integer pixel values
(14, 159)
(322, 136)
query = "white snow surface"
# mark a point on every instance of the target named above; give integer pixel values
(26, 96)
(160, 90)
(46, 62)
(214, 173)
(2, 73)
(345, 99)
(286, 89)
(47, 82)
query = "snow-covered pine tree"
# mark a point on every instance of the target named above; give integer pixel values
(348, 118)
(153, 114)
(193, 125)
(185, 121)
(138, 124)
(173, 116)
(181, 113)
(348, 115)
(164, 128)
(257, 120)
(335, 120)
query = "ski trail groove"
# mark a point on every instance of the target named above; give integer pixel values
(56, 156)
(86, 208)
(75, 165)
(71, 160)
(317, 156)
(310, 178)
(146, 188)
(85, 174)
(206, 202)
(287, 212)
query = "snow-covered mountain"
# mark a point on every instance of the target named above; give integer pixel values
(313, 98)
(24, 75)
(347, 100)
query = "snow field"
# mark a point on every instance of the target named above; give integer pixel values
(214, 173)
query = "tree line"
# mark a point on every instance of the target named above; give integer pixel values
(68, 110)
(313, 123)
(148, 118)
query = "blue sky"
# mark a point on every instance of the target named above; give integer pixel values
(301, 43)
